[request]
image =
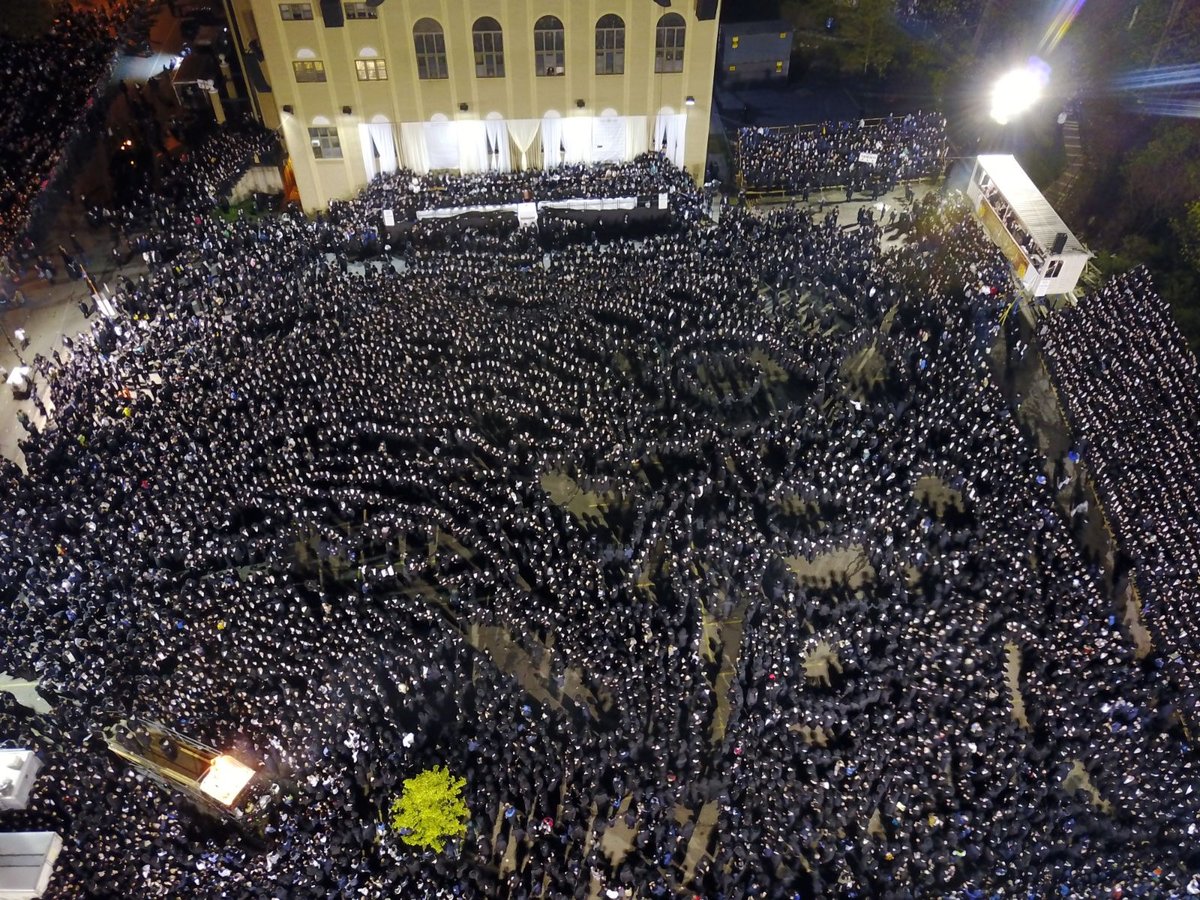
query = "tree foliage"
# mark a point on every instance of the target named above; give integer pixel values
(430, 810)
(1165, 173)
(1187, 231)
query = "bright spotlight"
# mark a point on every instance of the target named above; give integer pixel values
(1018, 90)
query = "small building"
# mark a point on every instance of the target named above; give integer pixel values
(1046, 257)
(755, 52)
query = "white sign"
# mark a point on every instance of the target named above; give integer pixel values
(389, 218)
(662, 200)
(869, 158)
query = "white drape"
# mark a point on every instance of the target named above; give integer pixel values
(577, 139)
(523, 131)
(415, 147)
(636, 141)
(669, 133)
(472, 146)
(384, 138)
(609, 141)
(552, 136)
(368, 150)
(442, 141)
(499, 159)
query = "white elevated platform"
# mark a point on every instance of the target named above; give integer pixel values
(1046, 256)
(18, 769)
(26, 863)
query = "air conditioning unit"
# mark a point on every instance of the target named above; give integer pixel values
(559, 70)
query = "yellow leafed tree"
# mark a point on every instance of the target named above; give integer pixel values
(431, 809)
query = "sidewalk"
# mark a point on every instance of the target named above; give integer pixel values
(51, 309)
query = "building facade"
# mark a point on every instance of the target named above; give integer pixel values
(477, 85)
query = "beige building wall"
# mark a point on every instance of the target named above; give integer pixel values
(519, 95)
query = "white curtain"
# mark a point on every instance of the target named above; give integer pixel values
(577, 139)
(384, 138)
(415, 147)
(442, 140)
(368, 150)
(499, 157)
(472, 146)
(669, 133)
(523, 131)
(609, 141)
(552, 137)
(635, 136)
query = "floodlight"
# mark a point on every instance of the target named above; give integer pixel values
(1018, 90)
(225, 779)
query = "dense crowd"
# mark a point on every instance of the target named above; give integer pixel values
(569, 521)
(797, 160)
(406, 193)
(1129, 384)
(52, 84)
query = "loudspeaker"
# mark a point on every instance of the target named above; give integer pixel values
(1060, 242)
(706, 10)
(332, 13)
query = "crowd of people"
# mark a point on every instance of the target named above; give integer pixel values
(1127, 380)
(407, 193)
(1015, 227)
(571, 517)
(53, 89)
(800, 159)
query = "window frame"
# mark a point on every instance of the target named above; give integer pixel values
(487, 47)
(432, 64)
(549, 48)
(670, 41)
(371, 68)
(327, 139)
(610, 45)
(355, 10)
(314, 66)
(302, 5)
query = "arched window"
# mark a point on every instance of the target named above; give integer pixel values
(549, 54)
(668, 43)
(610, 45)
(430, 42)
(489, 48)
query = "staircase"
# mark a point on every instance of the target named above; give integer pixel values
(1059, 193)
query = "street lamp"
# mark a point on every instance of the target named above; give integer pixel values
(1018, 90)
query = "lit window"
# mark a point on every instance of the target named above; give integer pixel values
(360, 11)
(371, 69)
(489, 48)
(668, 43)
(295, 12)
(549, 55)
(325, 143)
(309, 70)
(610, 45)
(430, 42)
